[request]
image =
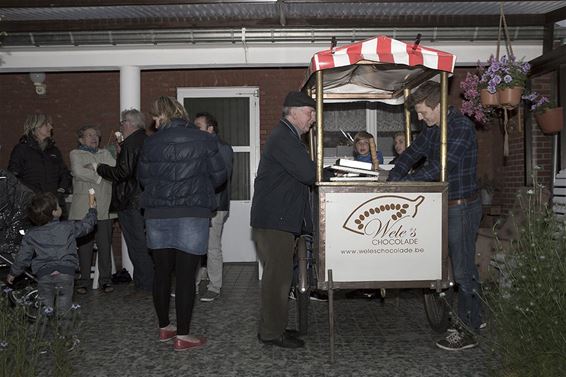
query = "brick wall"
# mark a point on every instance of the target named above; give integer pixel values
(513, 169)
(77, 98)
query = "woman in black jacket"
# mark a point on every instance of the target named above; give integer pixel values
(179, 168)
(37, 162)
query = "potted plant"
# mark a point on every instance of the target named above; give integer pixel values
(549, 117)
(487, 98)
(506, 77)
(473, 105)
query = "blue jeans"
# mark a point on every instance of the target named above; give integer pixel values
(56, 292)
(463, 224)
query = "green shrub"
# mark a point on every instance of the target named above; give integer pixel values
(527, 309)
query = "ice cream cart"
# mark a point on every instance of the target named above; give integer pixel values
(373, 233)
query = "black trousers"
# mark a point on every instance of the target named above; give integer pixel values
(133, 229)
(103, 237)
(185, 267)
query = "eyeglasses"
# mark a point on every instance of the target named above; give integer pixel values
(123, 121)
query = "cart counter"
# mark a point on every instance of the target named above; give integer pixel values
(386, 235)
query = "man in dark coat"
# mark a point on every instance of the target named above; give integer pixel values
(126, 196)
(281, 211)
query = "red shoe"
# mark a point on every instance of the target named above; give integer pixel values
(183, 345)
(165, 335)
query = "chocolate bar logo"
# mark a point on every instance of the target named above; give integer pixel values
(381, 216)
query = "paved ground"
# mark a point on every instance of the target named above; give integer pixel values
(119, 338)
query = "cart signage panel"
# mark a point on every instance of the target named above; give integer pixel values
(383, 236)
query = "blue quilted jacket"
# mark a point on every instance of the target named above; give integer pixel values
(179, 168)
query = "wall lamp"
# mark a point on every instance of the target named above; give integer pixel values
(38, 79)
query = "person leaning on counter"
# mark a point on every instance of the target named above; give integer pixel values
(464, 207)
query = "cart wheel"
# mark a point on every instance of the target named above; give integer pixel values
(438, 307)
(303, 300)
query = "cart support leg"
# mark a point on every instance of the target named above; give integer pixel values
(302, 257)
(331, 314)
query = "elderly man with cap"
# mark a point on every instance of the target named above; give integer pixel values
(281, 211)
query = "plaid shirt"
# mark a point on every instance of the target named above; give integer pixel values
(462, 157)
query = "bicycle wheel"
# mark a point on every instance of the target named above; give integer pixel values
(28, 299)
(438, 307)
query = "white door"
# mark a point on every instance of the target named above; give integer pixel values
(237, 111)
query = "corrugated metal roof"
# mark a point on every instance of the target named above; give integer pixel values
(87, 23)
(243, 11)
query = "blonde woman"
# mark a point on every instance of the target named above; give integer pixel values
(179, 168)
(37, 162)
(84, 161)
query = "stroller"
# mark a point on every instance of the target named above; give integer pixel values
(14, 199)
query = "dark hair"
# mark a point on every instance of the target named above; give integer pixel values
(429, 93)
(42, 205)
(210, 120)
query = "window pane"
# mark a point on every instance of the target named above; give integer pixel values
(241, 176)
(231, 113)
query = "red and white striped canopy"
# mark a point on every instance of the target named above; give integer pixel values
(377, 69)
(383, 49)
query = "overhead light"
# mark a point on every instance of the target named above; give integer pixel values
(38, 79)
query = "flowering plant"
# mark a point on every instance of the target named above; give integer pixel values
(471, 105)
(539, 103)
(504, 73)
(526, 308)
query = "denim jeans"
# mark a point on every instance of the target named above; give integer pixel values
(463, 224)
(56, 291)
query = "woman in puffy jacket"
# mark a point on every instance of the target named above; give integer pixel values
(37, 162)
(179, 168)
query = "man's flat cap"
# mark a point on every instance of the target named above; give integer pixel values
(299, 99)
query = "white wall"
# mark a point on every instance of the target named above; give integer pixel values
(220, 56)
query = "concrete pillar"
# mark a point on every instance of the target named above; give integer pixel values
(129, 98)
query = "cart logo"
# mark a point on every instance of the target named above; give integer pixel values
(382, 209)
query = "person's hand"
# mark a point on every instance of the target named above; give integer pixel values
(10, 279)
(91, 198)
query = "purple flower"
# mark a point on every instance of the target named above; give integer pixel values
(507, 79)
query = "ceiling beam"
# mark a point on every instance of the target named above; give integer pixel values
(548, 62)
(188, 22)
(556, 15)
(104, 3)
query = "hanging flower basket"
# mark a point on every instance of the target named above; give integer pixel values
(488, 99)
(551, 121)
(509, 97)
